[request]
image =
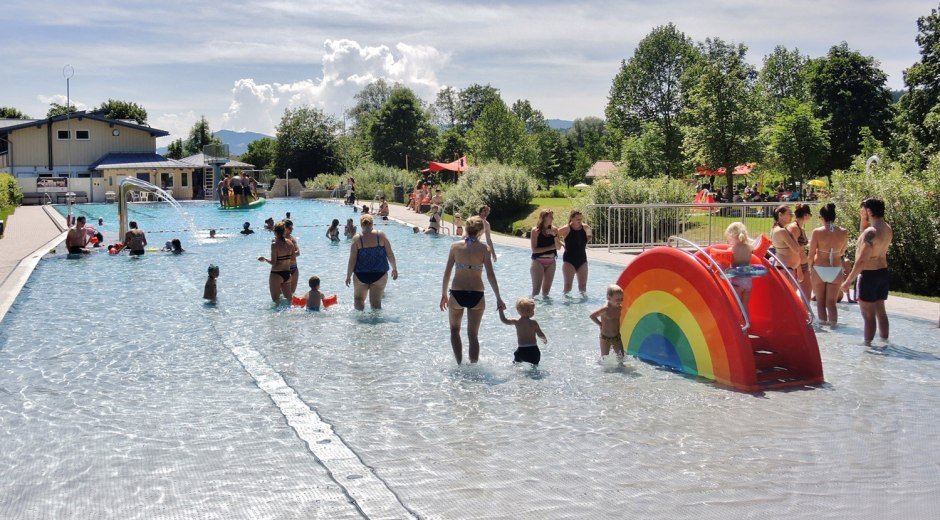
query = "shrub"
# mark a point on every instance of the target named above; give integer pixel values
(10, 194)
(558, 191)
(324, 181)
(628, 226)
(503, 187)
(912, 208)
(374, 180)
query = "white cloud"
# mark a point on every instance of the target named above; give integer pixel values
(62, 100)
(346, 67)
(177, 124)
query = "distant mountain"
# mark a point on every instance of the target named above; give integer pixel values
(896, 95)
(559, 124)
(237, 141)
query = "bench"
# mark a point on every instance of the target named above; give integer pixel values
(34, 197)
(78, 195)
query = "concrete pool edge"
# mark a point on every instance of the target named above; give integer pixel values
(16, 279)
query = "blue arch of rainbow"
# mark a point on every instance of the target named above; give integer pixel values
(675, 313)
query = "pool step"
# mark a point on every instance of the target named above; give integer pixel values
(764, 359)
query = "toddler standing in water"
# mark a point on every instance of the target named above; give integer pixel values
(210, 292)
(526, 331)
(741, 250)
(608, 319)
(314, 296)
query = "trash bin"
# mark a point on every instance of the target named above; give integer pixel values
(400, 194)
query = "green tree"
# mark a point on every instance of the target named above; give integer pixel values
(261, 153)
(651, 88)
(368, 102)
(848, 92)
(56, 109)
(783, 76)
(723, 109)
(643, 154)
(117, 109)
(471, 103)
(797, 142)
(175, 149)
(532, 117)
(586, 129)
(920, 104)
(402, 128)
(447, 107)
(497, 135)
(200, 135)
(352, 152)
(306, 143)
(452, 145)
(12, 113)
(546, 156)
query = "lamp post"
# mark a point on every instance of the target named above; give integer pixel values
(287, 187)
(68, 72)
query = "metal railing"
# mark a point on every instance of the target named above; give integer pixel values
(637, 227)
(721, 273)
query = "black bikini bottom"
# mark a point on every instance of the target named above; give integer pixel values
(369, 278)
(467, 299)
(285, 275)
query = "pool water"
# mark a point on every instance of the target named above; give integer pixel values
(122, 395)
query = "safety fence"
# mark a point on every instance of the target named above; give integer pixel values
(637, 227)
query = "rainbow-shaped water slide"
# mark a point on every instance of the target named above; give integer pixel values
(678, 311)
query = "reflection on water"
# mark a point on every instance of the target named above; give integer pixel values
(119, 398)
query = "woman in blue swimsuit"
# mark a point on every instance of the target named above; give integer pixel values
(468, 259)
(282, 254)
(369, 259)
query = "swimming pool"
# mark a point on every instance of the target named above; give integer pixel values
(122, 395)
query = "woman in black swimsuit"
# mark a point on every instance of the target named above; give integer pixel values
(290, 238)
(576, 236)
(282, 253)
(544, 252)
(470, 257)
(370, 258)
(801, 216)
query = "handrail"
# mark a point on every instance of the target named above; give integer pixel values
(747, 320)
(48, 197)
(799, 290)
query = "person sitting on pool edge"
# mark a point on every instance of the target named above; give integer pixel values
(77, 238)
(526, 331)
(383, 208)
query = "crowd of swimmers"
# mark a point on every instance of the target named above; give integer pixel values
(816, 261)
(242, 188)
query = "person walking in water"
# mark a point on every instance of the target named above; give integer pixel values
(826, 248)
(576, 235)
(370, 257)
(467, 259)
(282, 254)
(77, 238)
(871, 266)
(484, 213)
(135, 240)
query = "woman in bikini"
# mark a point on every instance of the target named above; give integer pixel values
(369, 259)
(468, 258)
(826, 249)
(282, 253)
(544, 244)
(576, 236)
(786, 248)
(797, 228)
(434, 223)
(289, 236)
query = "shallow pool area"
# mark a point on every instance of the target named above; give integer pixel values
(123, 395)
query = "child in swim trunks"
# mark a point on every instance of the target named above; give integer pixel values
(210, 292)
(314, 296)
(741, 250)
(608, 319)
(526, 331)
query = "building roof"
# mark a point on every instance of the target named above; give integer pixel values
(601, 169)
(136, 161)
(199, 161)
(10, 125)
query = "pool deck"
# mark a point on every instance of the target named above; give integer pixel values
(34, 230)
(31, 232)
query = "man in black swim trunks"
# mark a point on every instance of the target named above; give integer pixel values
(77, 238)
(135, 240)
(871, 262)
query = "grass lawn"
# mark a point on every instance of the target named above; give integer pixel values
(525, 218)
(935, 299)
(698, 229)
(6, 211)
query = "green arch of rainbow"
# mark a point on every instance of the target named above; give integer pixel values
(669, 316)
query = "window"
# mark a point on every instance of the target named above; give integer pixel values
(82, 135)
(184, 182)
(62, 135)
(166, 180)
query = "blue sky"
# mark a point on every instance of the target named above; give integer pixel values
(241, 63)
